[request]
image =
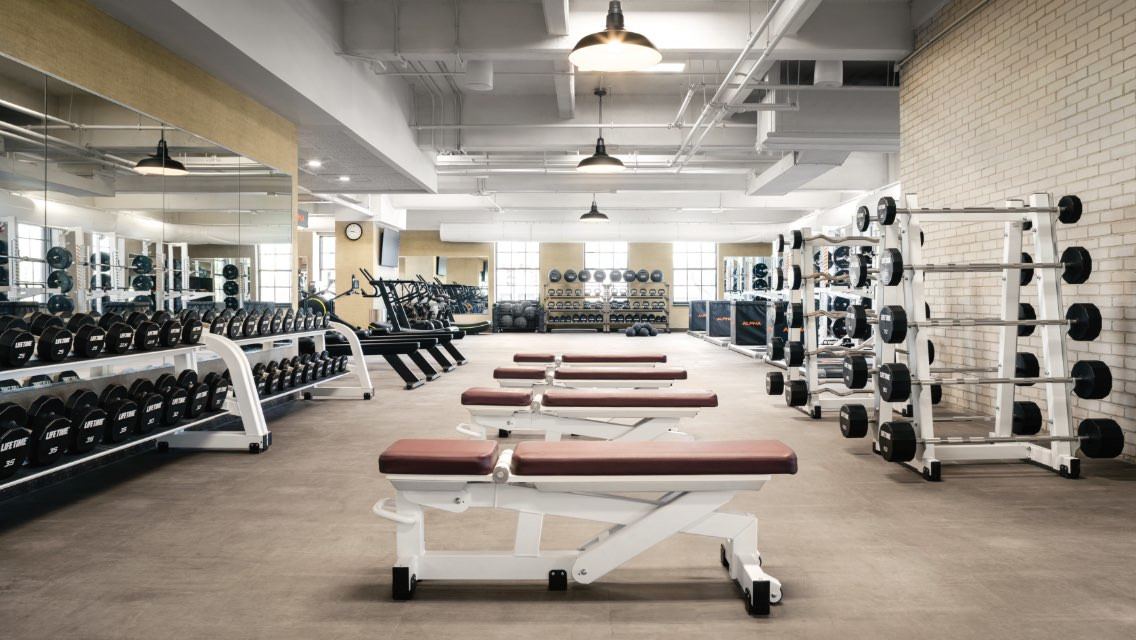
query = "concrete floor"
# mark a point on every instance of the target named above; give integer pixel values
(283, 545)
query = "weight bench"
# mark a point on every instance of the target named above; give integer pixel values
(591, 359)
(560, 412)
(580, 480)
(589, 377)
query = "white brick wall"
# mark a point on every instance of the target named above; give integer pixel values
(1030, 96)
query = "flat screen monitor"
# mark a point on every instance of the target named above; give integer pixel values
(440, 269)
(388, 252)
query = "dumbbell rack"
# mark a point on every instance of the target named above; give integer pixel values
(561, 318)
(244, 402)
(1059, 455)
(820, 393)
(642, 287)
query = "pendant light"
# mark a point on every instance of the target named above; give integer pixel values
(615, 48)
(600, 162)
(594, 215)
(161, 164)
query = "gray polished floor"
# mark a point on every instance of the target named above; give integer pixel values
(283, 545)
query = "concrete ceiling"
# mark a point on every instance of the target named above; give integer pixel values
(378, 90)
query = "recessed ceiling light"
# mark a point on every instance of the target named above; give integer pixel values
(314, 164)
(345, 178)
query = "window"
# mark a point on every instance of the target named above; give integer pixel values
(32, 240)
(274, 272)
(695, 271)
(605, 255)
(518, 271)
(325, 263)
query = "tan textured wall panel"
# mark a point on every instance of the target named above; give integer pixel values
(350, 255)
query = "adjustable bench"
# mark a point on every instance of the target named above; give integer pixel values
(589, 377)
(591, 359)
(560, 412)
(580, 480)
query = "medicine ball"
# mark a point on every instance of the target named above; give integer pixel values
(520, 323)
(630, 333)
(584, 275)
(656, 276)
(616, 275)
(600, 275)
(629, 276)
(505, 321)
(530, 313)
(644, 332)
(570, 275)
(554, 275)
(642, 275)
(652, 330)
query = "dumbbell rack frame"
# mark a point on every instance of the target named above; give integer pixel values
(243, 402)
(820, 392)
(1058, 456)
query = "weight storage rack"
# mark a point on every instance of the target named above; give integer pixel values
(1039, 219)
(242, 401)
(803, 386)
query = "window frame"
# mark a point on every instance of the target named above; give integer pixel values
(271, 292)
(606, 256)
(506, 255)
(707, 276)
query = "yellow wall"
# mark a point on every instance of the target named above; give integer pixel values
(305, 251)
(350, 256)
(736, 249)
(658, 255)
(560, 255)
(428, 243)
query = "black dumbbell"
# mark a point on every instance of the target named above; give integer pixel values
(288, 323)
(264, 324)
(147, 335)
(88, 420)
(198, 403)
(38, 381)
(260, 379)
(121, 412)
(191, 326)
(252, 324)
(150, 405)
(51, 430)
(292, 374)
(278, 321)
(15, 438)
(174, 399)
(89, 337)
(302, 367)
(119, 334)
(169, 332)
(17, 343)
(54, 341)
(218, 390)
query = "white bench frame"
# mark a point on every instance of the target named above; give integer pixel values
(651, 423)
(583, 383)
(688, 504)
(557, 363)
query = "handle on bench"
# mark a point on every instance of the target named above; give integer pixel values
(465, 430)
(380, 510)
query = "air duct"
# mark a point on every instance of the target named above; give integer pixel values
(828, 74)
(478, 75)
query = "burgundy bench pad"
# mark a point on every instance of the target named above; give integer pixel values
(620, 373)
(534, 357)
(609, 358)
(440, 457)
(608, 458)
(518, 373)
(638, 398)
(497, 397)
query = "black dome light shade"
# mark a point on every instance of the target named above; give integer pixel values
(615, 48)
(161, 164)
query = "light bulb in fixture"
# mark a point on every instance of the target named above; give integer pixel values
(600, 162)
(314, 164)
(345, 178)
(615, 48)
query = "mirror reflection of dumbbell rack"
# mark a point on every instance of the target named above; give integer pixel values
(136, 405)
(1015, 435)
(812, 380)
(53, 283)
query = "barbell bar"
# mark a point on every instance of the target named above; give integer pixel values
(864, 220)
(1098, 438)
(1082, 318)
(60, 258)
(1068, 210)
(1091, 380)
(798, 240)
(1076, 262)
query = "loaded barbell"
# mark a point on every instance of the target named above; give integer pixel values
(1098, 438)
(1082, 318)
(1068, 210)
(1026, 419)
(1091, 379)
(1076, 262)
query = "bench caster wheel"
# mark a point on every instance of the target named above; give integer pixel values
(254, 448)
(366, 396)
(403, 585)
(558, 580)
(163, 447)
(501, 433)
(307, 396)
(722, 556)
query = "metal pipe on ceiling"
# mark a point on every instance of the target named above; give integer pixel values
(60, 142)
(574, 125)
(31, 112)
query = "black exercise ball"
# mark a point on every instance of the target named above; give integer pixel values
(616, 275)
(570, 275)
(584, 275)
(642, 275)
(554, 275)
(629, 276)
(600, 275)
(644, 332)
(656, 276)
(630, 333)
(653, 331)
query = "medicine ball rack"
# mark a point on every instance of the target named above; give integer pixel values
(810, 392)
(913, 442)
(242, 398)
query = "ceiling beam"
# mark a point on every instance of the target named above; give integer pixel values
(556, 17)
(565, 91)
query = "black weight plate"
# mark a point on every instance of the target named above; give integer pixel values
(58, 258)
(38, 381)
(142, 264)
(122, 414)
(61, 280)
(142, 283)
(252, 324)
(151, 405)
(230, 272)
(264, 324)
(165, 383)
(14, 441)
(170, 334)
(218, 390)
(60, 303)
(119, 338)
(231, 288)
(232, 303)
(54, 344)
(198, 402)
(173, 408)
(49, 440)
(147, 335)
(16, 347)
